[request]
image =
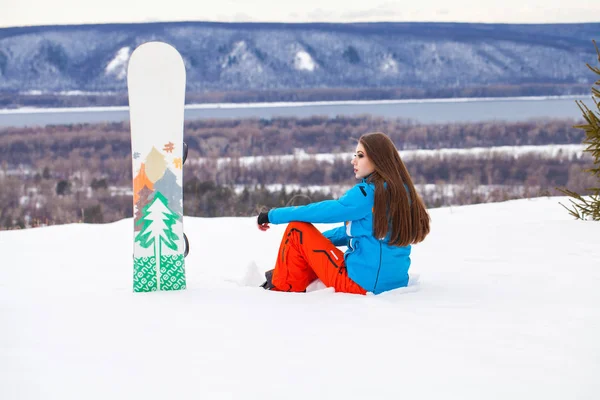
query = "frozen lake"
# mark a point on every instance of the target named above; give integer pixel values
(423, 111)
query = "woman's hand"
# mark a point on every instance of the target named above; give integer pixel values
(263, 221)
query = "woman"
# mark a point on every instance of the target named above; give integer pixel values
(383, 216)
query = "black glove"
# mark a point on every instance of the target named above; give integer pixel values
(263, 218)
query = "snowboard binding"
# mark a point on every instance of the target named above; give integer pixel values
(186, 250)
(185, 152)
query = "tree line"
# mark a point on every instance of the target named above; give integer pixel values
(42, 198)
(528, 169)
(103, 143)
(82, 173)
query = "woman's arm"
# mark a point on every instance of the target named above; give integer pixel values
(354, 204)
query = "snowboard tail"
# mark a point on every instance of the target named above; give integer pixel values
(156, 87)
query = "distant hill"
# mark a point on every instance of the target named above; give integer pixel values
(223, 57)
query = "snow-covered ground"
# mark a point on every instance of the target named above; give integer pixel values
(504, 303)
(118, 65)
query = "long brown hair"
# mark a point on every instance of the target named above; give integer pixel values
(397, 207)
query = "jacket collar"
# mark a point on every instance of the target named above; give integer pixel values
(365, 179)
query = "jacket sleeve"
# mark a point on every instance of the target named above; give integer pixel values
(337, 236)
(354, 204)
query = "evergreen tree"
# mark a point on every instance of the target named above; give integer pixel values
(588, 207)
(145, 196)
(158, 221)
(63, 188)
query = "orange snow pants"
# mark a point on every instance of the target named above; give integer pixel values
(305, 255)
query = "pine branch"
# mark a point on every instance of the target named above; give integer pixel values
(588, 207)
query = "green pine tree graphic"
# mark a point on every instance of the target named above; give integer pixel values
(158, 221)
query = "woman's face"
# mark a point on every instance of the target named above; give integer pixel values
(362, 164)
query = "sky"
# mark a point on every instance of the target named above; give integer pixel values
(502, 304)
(44, 12)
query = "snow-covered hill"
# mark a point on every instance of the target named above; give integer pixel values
(262, 56)
(503, 304)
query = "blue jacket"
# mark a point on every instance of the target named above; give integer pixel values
(371, 262)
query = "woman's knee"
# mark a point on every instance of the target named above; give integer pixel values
(299, 225)
(302, 229)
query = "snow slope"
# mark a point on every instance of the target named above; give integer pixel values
(503, 303)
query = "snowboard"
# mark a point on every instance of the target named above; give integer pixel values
(156, 89)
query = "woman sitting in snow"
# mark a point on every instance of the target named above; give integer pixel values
(383, 216)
